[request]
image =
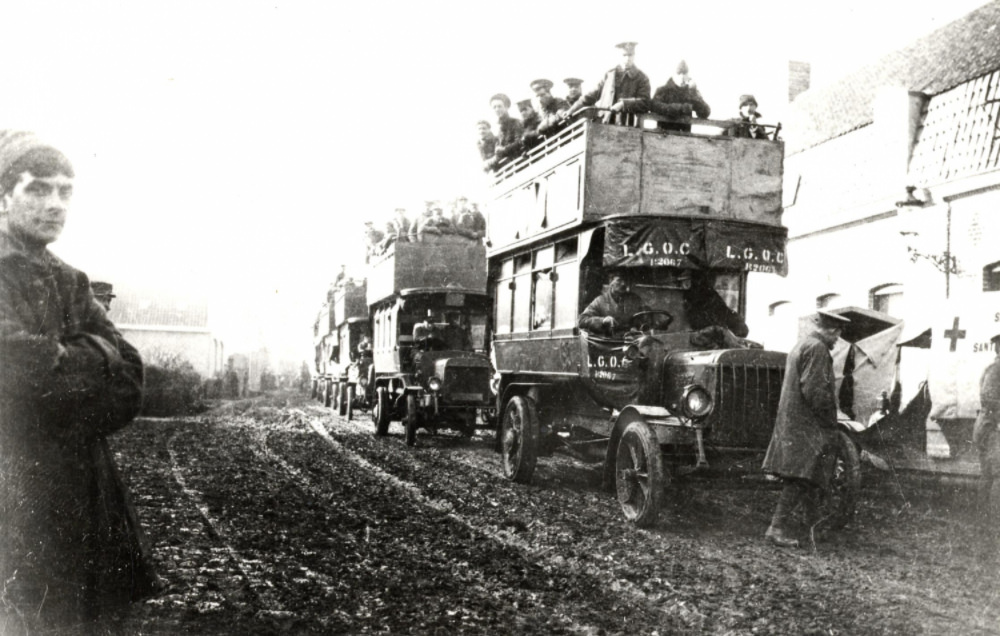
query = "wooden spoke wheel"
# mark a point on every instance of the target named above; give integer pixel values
(639, 476)
(519, 439)
(839, 502)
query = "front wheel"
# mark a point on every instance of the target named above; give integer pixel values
(839, 503)
(639, 476)
(411, 420)
(350, 403)
(381, 411)
(519, 439)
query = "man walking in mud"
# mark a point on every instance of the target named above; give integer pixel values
(70, 544)
(806, 427)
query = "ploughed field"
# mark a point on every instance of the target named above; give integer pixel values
(276, 516)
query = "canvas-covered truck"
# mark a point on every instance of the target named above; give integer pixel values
(341, 366)
(686, 218)
(428, 312)
(911, 388)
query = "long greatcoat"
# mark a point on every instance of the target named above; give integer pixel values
(984, 431)
(616, 85)
(806, 427)
(69, 539)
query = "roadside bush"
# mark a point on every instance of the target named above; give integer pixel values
(172, 387)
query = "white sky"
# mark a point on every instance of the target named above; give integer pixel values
(235, 147)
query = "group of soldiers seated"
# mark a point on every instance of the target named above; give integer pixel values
(623, 93)
(464, 220)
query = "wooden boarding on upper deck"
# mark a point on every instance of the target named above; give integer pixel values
(450, 261)
(349, 301)
(590, 171)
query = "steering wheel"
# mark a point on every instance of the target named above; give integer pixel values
(637, 319)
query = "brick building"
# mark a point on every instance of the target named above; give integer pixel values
(892, 184)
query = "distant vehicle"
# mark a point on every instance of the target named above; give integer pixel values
(428, 310)
(342, 370)
(686, 217)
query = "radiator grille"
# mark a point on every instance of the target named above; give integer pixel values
(746, 404)
(466, 384)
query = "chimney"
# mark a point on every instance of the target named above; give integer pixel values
(798, 79)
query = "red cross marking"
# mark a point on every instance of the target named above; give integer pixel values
(954, 334)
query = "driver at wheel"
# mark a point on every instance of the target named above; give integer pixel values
(610, 312)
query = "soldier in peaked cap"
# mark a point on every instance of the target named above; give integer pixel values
(510, 131)
(551, 110)
(625, 89)
(573, 89)
(805, 431)
(103, 293)
(70, 542)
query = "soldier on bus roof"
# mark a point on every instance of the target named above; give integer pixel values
(624, 87)
(573, 89)
(551, 110)
(746, 123)
(372, 239)
(487, 144)
(531, 121)
(509, 130)
(469, 222)
(401, 224)
(678, 98)
(441, 222)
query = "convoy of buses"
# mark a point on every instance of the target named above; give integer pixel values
(465, 336)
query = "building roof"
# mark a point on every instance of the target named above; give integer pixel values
(954, 54)
(156, 308)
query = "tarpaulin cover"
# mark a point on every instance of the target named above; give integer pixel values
(696, 244)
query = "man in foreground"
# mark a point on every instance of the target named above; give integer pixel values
(71, 547)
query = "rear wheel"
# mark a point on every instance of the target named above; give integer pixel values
(350, 402)
(342, 399)
(519, 439)
(312, 396)
(326, 393)
(839, 503)
(381, 411)
(411, 420)
(639, 477)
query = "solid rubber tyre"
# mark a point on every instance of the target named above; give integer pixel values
(519, 439)
(350, 403)
(381, 412)
(342, 399)
(639, 476)
(411, 420)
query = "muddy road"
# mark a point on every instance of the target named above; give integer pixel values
(275, 516)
